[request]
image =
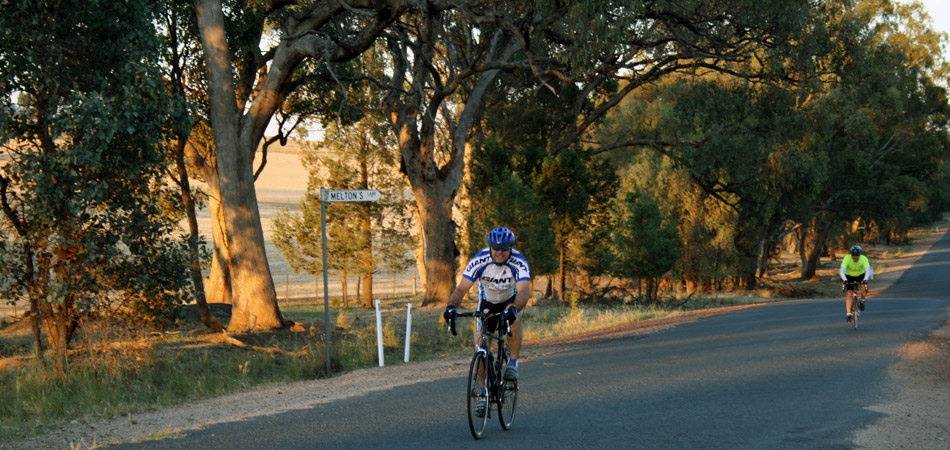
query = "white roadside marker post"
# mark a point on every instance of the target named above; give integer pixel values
(408, 330)
(379, 335)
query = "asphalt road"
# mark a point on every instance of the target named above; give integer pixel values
(785, 375)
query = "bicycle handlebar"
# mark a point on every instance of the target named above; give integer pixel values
(478, 315)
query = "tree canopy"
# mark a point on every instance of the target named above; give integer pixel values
(87, 220)
(738, 126)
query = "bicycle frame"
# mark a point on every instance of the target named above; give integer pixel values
(501, 353)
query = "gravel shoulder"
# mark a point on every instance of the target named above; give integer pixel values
(917, 417)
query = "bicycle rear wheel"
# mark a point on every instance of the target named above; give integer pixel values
(476, 424)
(507, 400)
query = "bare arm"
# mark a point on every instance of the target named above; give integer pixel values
(521, 300)
(459, 293)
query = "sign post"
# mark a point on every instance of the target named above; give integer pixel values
(326, 195)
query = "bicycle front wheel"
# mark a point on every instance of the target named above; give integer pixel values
(476, 394)
(507, 400)
(854, 312)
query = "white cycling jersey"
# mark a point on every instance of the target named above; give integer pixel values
(496, 282)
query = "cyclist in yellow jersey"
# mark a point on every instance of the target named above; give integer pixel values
(854, 268)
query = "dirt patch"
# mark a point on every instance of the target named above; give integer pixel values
(919, 415)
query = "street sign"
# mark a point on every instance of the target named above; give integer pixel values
(326, 195)
(359, 195)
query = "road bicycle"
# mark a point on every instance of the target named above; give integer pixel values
(860, 293)
(485, 380)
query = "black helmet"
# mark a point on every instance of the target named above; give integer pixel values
(856, 250)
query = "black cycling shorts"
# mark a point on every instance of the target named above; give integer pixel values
(853, 282)
(484, 306)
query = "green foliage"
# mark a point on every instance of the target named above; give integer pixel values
(500, 197)
(768, 158)
(637, 240)
(884, 119)
(644, 242)
(557, 182)
(82, 191)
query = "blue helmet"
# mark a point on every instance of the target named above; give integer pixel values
(500, 238)
(856, 250)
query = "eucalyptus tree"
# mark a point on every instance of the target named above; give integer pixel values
(706, 227)
(783, 155)
(553, 192)
(443, 62)
(81, 189)
(193, 148)
(244, 96)
(880, 115)
(597, 53)
(740, 143)
(893, 134)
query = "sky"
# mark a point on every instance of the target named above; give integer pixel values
(939, 11)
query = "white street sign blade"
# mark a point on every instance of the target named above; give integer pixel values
(359, 195)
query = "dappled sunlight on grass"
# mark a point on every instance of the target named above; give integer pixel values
(562, 322)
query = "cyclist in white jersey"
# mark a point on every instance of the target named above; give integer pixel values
(503, 280)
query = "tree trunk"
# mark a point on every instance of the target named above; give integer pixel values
(822, 227)
(562, 294)
(765, 256)
(747, 260)
(464, 202)
(344, 300)
(54, 320)
(652, 290)
(219, 282)
(420, 251)
(188, 203)
(367, 293)
(254, 299)
(35, 315)
(435, 213)
(435, 183)
(35, 299)
(367, 266)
